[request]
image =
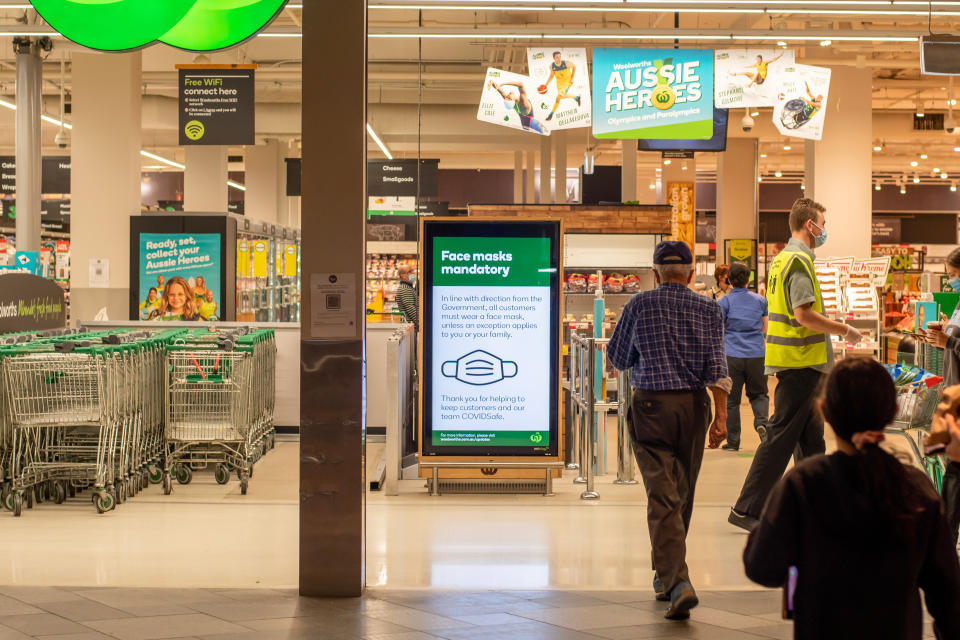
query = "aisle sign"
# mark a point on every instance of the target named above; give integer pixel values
(217, 105)
(290, 260)
(652, 94)
(490, 338)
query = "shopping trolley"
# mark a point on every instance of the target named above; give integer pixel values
(916, 403)
(61, 425)
(209, 413)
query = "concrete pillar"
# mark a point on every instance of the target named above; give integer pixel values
(205, 179)
(529, 197)
(545, 172)
(839, 169)
(560, 160)
(517, 177)
(737, 192)
(628, 170)
(29, 143)
(105, 177)
(265, 177)
(332, 357)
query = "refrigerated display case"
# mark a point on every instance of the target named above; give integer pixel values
(383, 262)
(268, 272)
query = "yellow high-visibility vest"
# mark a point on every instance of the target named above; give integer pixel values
(790, 344)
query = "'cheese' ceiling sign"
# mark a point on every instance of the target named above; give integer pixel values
(194, 25)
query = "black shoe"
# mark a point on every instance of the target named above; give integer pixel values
(762, 432)
(682, 599)
(661, 593)
(743, 520)
(549, 116)
(730, 447)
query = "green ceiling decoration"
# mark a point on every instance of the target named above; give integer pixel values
(193, 25)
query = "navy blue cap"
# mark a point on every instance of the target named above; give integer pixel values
(672, 252)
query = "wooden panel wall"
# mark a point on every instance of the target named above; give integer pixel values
(586, 218)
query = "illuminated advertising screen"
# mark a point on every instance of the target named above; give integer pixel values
(653, 94)
(490, 338)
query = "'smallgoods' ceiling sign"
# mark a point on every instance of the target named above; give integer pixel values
(193, 25)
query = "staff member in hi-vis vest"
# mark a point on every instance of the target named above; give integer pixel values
(799, 353)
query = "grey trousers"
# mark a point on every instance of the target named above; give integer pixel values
(668, 429)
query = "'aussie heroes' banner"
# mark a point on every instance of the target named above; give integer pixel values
(653, 93)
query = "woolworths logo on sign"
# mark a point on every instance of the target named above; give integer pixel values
(194, 25)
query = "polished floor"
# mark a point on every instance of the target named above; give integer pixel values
(207, 535)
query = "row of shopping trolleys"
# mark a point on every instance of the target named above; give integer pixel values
(112, 412)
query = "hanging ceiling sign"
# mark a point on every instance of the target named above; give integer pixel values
(192, 25)
(217, 104)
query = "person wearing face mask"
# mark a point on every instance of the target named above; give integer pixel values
(408, 300)
(799, 353)
(948, 339)
(863, 531)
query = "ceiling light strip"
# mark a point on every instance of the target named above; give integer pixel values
(376, 138)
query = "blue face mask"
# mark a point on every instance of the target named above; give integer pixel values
(955, 284)
(413, 278)
(818, 241)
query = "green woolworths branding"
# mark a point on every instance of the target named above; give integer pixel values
(194, 25)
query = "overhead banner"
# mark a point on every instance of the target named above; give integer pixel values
(564, 85)
(801, 101)
(54, 174)
(179, 276)
(511, 100)
(653, 94)
(490, 338)
(217, 105)
(681, 198)
(749, 77)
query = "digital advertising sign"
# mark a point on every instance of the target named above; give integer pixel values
(653, 94)
(490, 338)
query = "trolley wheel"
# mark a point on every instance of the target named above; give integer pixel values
(155, 474)
(8, 500)
(145, 479)
(16, 503)
(4, 494)
(71, 491)
(184, 474)
(59, 492)
(30, 498)
(273, 441)
(243, 486)
(38, 493)
(167, 484)
(222, 474)
(250, 469)
(105, 502)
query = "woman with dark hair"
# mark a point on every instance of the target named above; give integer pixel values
(948, 339)
(744, 326)
(863, 532)
(722, 287)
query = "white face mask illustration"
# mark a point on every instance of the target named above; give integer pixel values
(479, 368)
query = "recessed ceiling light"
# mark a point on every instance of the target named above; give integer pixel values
(754, 114)
(779, 174)
(763, 155)
(667, 161)
(916, 180)
(759, 178)
(944, 176)
(878, 148)
(826, 43)
(876, 187)
(781, 43)
(924, 156)
(903, 190)
(786, 147)
(914, 163)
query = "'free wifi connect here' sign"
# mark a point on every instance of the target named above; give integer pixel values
(217, 105)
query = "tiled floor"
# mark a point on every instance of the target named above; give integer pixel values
(145, 614)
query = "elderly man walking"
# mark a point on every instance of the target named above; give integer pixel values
(672, 339)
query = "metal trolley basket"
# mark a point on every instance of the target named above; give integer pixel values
(219, 405)
(916, 403)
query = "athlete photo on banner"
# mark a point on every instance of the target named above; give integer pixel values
(748, 77)
(563, 85)
(802, 94)
(511, 100)
(653, 94)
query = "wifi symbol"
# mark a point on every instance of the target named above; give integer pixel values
(194, 130)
